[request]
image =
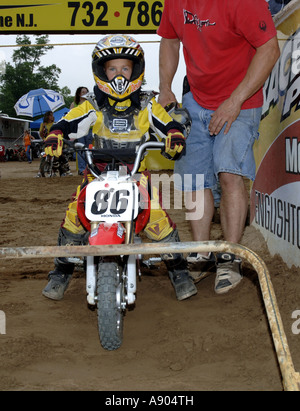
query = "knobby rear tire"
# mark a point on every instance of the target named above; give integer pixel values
(110, 315)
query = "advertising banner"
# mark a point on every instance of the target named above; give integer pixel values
(110, 16)
(275, 194)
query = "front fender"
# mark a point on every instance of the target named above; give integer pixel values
(107, 233)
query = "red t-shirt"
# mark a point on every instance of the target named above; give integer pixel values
(219, 40)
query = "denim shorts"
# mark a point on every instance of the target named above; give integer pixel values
(206, 156)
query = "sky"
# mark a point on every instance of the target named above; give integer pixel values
(75, 60)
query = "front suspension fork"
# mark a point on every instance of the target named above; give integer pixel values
(128, 276)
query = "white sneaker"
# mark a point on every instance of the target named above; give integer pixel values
(228, 272)
(197, 257)
(200, 265)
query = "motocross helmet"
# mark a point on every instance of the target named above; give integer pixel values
(116, 47)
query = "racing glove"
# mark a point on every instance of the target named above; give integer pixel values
(174, 145)
(54, 144)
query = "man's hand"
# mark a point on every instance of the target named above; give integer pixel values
(226, 113)
(258, 71)
(166, 97)
(54, 144)
(174, 145)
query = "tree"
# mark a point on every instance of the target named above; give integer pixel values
(26, 73)
(66, 93)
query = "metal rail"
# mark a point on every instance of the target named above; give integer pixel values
(291, 378)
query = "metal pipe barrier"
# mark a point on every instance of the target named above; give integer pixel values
(291, 378)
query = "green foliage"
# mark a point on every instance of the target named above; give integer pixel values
(66, 93)
(26, 73)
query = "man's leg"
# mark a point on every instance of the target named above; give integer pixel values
(233, 211)
(201, 264)
(233, 206)
(233, 159)
(200, 224)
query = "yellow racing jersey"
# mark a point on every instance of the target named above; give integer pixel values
(118, 124)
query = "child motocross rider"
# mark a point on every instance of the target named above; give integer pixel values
(121, 116)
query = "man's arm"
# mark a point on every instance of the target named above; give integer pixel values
(168, 63)
(258, 72)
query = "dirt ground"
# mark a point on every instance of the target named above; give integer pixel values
(207, 342)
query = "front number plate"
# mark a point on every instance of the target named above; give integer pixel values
(111, 201)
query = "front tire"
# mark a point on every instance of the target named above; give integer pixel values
(46, 167)
(110, 312)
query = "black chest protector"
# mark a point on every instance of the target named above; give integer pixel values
(119, 129)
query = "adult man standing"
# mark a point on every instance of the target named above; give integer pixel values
(230, 48)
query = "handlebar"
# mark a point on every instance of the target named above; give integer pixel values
(114, 154)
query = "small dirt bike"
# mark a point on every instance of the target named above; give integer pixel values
(114, 208)
(16, 154)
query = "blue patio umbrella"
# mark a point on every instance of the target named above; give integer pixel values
(37, 102)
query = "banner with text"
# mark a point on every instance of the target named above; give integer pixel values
(275, 195)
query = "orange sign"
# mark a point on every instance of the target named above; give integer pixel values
(41, 16)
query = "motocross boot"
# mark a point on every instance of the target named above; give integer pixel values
(57, 284)
(59, 278)
(178, 271)
(64, 167)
